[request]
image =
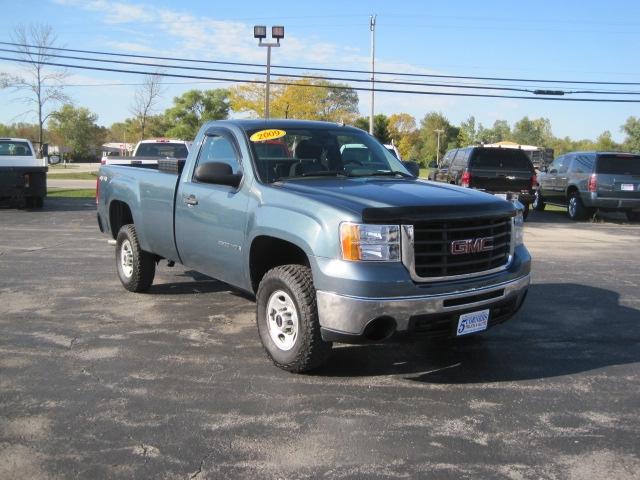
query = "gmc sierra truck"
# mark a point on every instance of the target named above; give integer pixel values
(335, 249)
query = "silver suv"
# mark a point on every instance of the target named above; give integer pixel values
(587, 181)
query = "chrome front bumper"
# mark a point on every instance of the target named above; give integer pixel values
(350, 315)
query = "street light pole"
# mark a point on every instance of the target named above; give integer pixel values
(438, 132)
(277, 33)
(372, 27)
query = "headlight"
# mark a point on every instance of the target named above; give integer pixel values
(360, 242)
(518, 228)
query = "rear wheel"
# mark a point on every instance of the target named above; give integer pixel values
(538, 201)
(576, 209)
(633, 216)
(287, 318)
(136, 268)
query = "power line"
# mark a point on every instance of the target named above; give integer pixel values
(321, 69)
(337, 87)
(341, 79)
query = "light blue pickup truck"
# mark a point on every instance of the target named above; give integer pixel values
(336, 238)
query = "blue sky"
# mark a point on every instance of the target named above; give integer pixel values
(570, 40)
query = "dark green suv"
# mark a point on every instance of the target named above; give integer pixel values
(586, 181)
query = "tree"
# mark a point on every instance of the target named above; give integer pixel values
(605, 143)
(44, 85)
(380, 127)
(308, 99)
(498, 133)
(404, 133)
(429, 138)
(20, 130)
(632, 130)
(533, 132)
(468, 134)
(145, 100)
(76, 128)
(192, 109)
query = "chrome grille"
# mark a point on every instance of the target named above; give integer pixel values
(432, 256)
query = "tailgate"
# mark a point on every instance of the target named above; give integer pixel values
(493, 180)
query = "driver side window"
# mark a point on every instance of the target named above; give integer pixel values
(217, 148)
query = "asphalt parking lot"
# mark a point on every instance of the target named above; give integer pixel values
(96, 382)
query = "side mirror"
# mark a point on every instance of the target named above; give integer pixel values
(413, 167)
(54, 159)
(217, 173)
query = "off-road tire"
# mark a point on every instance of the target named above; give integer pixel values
(309, 350)
(576, 209)
(143, 263)
(538, 201)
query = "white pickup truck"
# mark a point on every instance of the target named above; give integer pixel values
(148, 152)
(23, 176)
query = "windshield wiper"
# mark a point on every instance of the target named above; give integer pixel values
(324, 173)
(388, 173)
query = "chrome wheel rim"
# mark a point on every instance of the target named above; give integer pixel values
(572, 206)
(282, 320)
(126, 258)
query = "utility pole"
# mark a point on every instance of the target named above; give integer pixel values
(372, 28)
(438, 131)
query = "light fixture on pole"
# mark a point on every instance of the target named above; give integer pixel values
(277, 33)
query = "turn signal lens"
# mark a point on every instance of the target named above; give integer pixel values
(593, 183)
(360, 242)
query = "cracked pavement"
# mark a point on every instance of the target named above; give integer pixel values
(97, 382)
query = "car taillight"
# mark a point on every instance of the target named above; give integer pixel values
(27, 180)
(466, 179)
(97, 191)
(534, 182)
(593, 183)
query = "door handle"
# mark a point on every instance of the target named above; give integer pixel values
(191, 200)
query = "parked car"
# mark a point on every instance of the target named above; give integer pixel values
(335, 248)
(500, 171)
(23, 176)
(586, 181)
(148, 152)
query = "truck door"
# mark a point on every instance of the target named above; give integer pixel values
(210, 220)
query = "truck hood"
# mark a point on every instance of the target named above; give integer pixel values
(381, 199)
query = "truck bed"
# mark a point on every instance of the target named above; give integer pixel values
(148, 190)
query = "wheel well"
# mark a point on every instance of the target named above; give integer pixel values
(572, 189)
(269, 252)
(119, 215)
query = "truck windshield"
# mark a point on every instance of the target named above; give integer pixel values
(9, 148)
(501, 158)
(166, 150)
(315, 152)
(619, 164)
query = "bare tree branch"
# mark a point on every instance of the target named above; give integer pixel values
(146, 99)
(45, 86)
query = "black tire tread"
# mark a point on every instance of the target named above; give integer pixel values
(314, 351)
(144, 264)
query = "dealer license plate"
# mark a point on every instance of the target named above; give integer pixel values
(472, 322)
(627, 187)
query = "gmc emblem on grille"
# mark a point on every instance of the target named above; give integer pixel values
(471, 245)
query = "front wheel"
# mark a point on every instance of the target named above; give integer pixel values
(136, 268)
(287, 318)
